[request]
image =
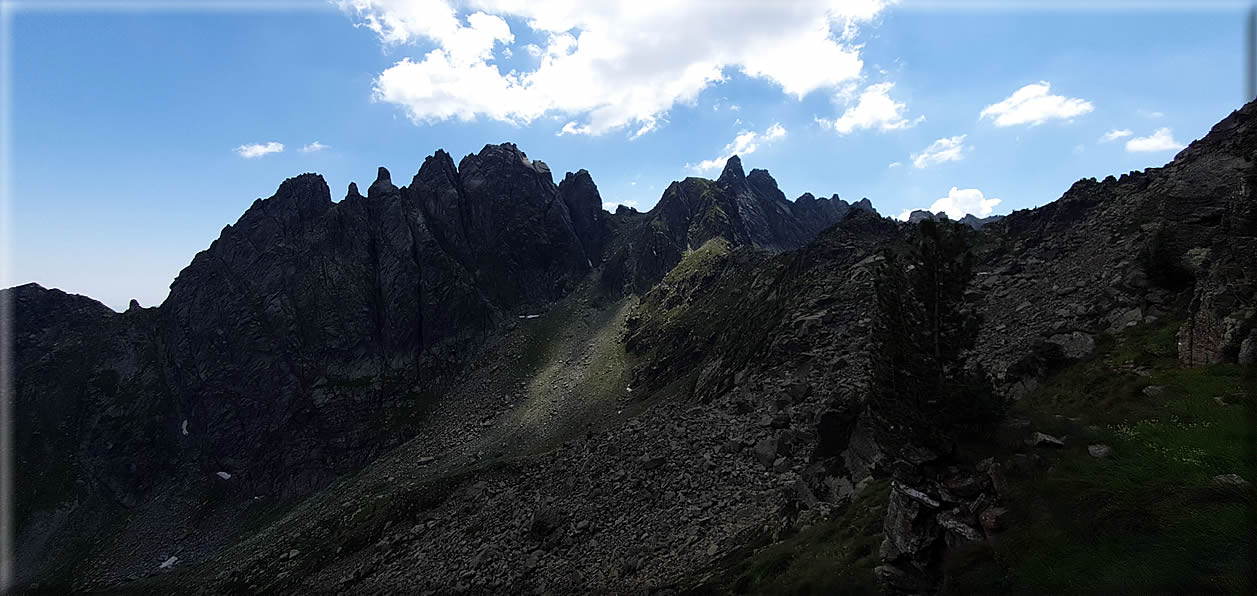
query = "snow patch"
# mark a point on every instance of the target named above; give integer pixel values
(528, 316)
(224, 475)
(168, 563)
(185, 427)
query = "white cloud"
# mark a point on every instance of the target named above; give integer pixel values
(746, 143)
(1033, 105)
(606, 65)
(941, 151)
(313, 147)
(1161, 140)
(1116, 134)
(960, 202)
(874, 109)
(894, 164)
(612, 206)
(253, 150)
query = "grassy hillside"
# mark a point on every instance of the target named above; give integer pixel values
(1150, 516)
(836, 556)
(1154, 515)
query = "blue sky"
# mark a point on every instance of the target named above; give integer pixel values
(129, 128)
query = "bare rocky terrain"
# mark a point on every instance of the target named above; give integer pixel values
(370, 396)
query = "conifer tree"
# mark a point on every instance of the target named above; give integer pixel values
(923, 387)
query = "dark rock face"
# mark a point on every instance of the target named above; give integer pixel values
(94, 417)
(524, 248)
(817, 214)
(970, 220)
(96, 423)
(309, 320)
(977, 222)
(305, 338)
(746, 210)
(589, 220)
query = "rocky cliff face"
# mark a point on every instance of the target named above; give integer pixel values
(976, 223)
(312, 334)
(589, 220)
(745, 210)
(306, 338)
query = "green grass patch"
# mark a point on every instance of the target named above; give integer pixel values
(542, 339)
(1148, 518)
(699, 263)
(835, 556)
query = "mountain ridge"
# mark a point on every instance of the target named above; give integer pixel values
(314, 336)
(307, 322)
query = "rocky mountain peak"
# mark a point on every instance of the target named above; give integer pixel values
(382, 186)
(765, 185)
(733, 171)
(580, 176)
(919, 215)
(303, 348)
(505, 156)
(437, 168)
(305, 196)
(584, 204)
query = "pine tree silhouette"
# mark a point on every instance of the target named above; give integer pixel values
(923, 387)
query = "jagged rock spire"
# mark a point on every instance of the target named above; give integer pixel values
(733, 170)
(383, 184)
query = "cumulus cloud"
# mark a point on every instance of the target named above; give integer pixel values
(746, 143)
(612, 206)
(960, 202)
(941, 151)
(253, 150)
(313, 147)
(1034, 105)
(873, 109)
(606, 65)
(1161, 140)
(894, 164)
(1116, 134)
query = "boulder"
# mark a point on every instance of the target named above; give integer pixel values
(993, 519)
(1099, 451)
(1074, 345)
(1039, 439)
(766, 451)
(1231, 481)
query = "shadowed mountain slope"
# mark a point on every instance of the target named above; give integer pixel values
(627, 445)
